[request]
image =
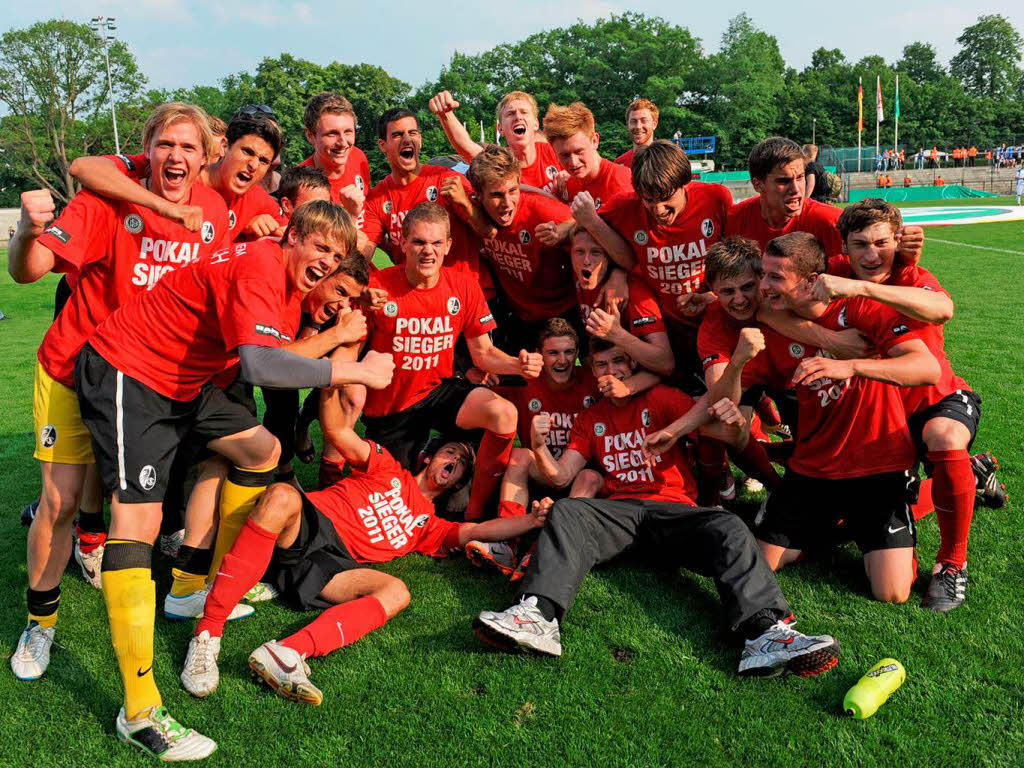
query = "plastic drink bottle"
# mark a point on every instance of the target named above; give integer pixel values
(872, 690)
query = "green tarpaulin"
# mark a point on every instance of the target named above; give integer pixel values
(898, 194)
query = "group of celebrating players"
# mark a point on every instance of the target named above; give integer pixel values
(635, 330)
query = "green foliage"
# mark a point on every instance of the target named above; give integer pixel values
(987, 61)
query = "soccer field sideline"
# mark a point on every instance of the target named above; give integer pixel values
(644, 672)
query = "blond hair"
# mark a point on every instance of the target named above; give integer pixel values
(172, 112)
(515, 96)
(327, 218)
(564, 122)
(493, 164)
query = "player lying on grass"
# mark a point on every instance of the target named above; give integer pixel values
(144, 382)
(650, 498)
(318, 549)
(111, 251)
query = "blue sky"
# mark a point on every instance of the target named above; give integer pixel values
(184, 42)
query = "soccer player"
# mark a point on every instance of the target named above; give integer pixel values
(330, 123)
(430, 306)
(144, 380)
(518, 121)
(1019, 176)
(650, 496)
(113, 250)
(861, 471)
(641, 122)
(571, 132)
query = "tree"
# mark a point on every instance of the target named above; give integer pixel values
(53, 80)
(920, 63)
(987, 61)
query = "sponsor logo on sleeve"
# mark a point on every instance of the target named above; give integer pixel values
(432, 193)
(796, 350)
(379, 448)
(59, 233)
(645, 320)
(360, 184)
(488, 318)
(927, 288)
(599, 429)
(207, 232)
(391, 309)
(454, 305)
(267, 330)
(128, 163)
(899, 330)
(640, 237)
(133, 223)
(534, 405)
(707, 227)
(710, 358)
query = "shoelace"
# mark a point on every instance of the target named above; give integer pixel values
(949, 579)
(37, 638)
(202, 658)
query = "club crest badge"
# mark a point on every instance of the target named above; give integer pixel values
(551, 172)
(534, 405)
(432, 193)
(524, 236)
(645, 417)
(454, 305)
(391, 309)
(599, 429)
(387, 206)
(396, 483)
(588, 401)
(707, 227)
(796, 350)
(147, 477)
(640, 237)
(207, 232)
(48, 436)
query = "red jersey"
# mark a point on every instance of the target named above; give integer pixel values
(420, 328)
(185, 331)
(611, 435)
(718, 335)
(626, 158)
(642, 315)
(851, 428)
(611, 180)
(115, 250)
(357, 171)
(562, 405)
(670, 259)
(380, 513)
(819, 219)
(542, 171)
(535, 279)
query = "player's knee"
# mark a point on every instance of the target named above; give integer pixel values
(503, 416)
(887, 592)
(57, 505)
(279, 505)
(946, 438)
(394, 596)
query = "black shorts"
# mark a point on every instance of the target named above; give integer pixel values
(137, 432)
(810, 513)
(689, 371)
(405, 433)
(964, 406)
(300, 572)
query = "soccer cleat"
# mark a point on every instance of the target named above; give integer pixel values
(284, 670)
(261, 592)
(752, 485)
(200, 675)
(32, 656)
(782, 650)
(28, 513)
(781, 431)
(990, 492)
(190, 606)
(495, 554)
(947, 589)
(522, 626)
(163, 737)
(90, 561)
(728, 492)
(170, 543)
(520, 571)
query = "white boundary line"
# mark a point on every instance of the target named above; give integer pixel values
(930, 239)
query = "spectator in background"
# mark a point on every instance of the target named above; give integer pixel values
(920, 158)
(933, 158)
(902, 159)
(814, 175)
(907, 181)
(939, 181)
(972, 153)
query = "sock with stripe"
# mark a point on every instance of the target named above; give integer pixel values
(43, 605)
(130, 594)
(491, 461)
(953, 490)
(190, 570)
(338, 626)
(754, 462)
(238, 496)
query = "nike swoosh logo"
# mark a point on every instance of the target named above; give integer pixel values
(288, 668)
(787, 641)
(144, 672)
(90, 573)
(523, 623)
(896, 530)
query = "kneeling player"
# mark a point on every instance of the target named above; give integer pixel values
(317, 549)
(651, 494)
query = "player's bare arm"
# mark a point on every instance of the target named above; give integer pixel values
(349, 329)
(584, 211)
(728, 384)
(27, 260)
(505, 528)
(909, 364)
(443, 105)
(918, 303)
(556, 473)
(337, 429)
(452, 190)
(652, 352)
(489, 358)
(846, 344)
(658, 442)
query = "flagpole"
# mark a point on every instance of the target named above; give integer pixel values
(860, 119)
(878, 122)
(896, 133)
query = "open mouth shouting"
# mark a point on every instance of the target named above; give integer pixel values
(407, 153)
(313, 275)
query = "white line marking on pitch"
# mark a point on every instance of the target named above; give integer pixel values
(969, 245)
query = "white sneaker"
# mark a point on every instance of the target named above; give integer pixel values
(163, 737)
(284, 670)
(521, 625)
(170, 543)
(191, 607)
(90, 563)
(200, 675)
(32, 656)
(261, 592)
(752, 485)
(781, 650)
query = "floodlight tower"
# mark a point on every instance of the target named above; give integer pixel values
(103, 26)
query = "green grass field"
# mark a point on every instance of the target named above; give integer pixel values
(645, 678)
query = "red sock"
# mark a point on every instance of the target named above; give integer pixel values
(88, 541)
(766, 409)
(953, 489)
(241, 568)
(338, 626)
(924, 505)
(491, 460)
(710, 460)
(754, 462)
(757, 429)
(511, 509)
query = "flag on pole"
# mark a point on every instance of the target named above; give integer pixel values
(860, 104)
(896, 111)
(878, 100)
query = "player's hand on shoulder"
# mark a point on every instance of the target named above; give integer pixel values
(352, 198)
(37, 210)
(750, 343)
(263, 225)
(727, 412)
(375, 298)
(443, 103)
(377, 369)
(812, 369)
(539, 511)
(692, 304)
(540, 428)
(530, 364)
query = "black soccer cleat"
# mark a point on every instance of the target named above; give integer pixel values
(947, 589)
(990, 492)
(28, 514)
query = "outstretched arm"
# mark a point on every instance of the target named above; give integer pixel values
(919, 303)
(489, 358)
(505, 528)
(444, 105)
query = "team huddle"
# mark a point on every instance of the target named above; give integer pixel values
(566, 361)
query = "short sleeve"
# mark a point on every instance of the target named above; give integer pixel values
(439, 537)
(81, 234)
(380, 460)
(133, 166)
(644, 311)
(373, 219)
(884, 326)
(481, 319)
(250, 306)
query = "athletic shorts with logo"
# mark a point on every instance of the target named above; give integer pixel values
(963, 406)
(61, 437)
(137, 432)
(810, 513)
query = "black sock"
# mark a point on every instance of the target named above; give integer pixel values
(549, 609)
(193, 559)
(42, 603)
(91, 522)
(759, 623)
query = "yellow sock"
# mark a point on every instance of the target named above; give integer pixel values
(130, 594)
(186, 583)
(239, 494)
(43, 605)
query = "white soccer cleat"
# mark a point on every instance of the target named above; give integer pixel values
(191, 606)
(32, 656)
(782, 650)
(752, 485)
(90, 563)
(200, 675)
(261, 592)
(523, 626)
(284, 670)
(163, 737)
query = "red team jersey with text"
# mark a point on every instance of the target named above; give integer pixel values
(718, 335)
(379, 512)
(539, 396)
(642, 315)
(177, 337)
(420, 328)
(611, 180)
(611, 435)
(819, 219)
(851, 428)
(357, 171)
(542, 171)
(670, 259)
(535, 279)
(116, 250)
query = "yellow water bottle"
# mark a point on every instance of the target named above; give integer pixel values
(872, 690)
